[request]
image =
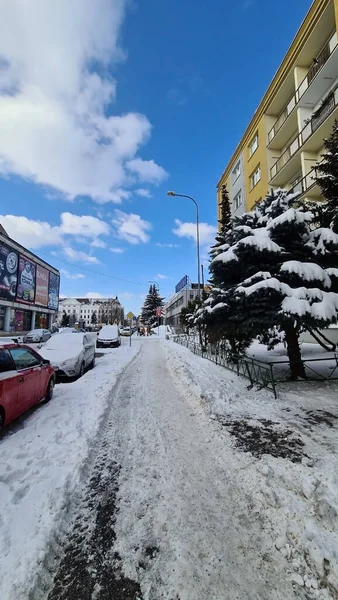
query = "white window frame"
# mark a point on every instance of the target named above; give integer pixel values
(256, 176)
(236, 171)
(236, 203)
(253, 144)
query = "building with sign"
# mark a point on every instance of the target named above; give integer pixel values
(29, 288)
(81, 310)
(179, 300)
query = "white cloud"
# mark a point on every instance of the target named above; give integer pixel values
(188, 230)
(144, 193)
(29, 233)
(71, 275)
(56, 97)
(116, 250)
(131, 227)
(160, 276)
(98, 243)
(159, 245)
(84, 225)
(93, 295)
(36, 234)
(147, 170)
(80, 256)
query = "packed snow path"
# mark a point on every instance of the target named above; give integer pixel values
(161, 513)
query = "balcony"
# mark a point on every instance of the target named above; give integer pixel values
(313, 87)
(308, 186)
(309, 139)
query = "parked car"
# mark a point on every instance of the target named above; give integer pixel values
(70, 354)
(37, 335)
(68, 330)
(109, 337)
(11, 339)
(26, 378)
(126, 331)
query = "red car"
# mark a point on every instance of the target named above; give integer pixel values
(25, 379)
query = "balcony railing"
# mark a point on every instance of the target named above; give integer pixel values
(306, 182)
(282, 118)
(318, 118)
(318, 63)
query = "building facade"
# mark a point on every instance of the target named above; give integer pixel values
(175, 303)
(29, 288)
(80, 311)
(285, 138)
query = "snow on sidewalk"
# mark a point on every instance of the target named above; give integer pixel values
(41, 459)
(297, 494)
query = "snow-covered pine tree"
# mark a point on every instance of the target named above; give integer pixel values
(152, 302)
(218, 314)
(327, 177)
(224, 223)
(281, 259)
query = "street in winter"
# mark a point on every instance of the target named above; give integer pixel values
(160, 475)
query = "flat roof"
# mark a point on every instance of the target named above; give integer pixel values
(5, 239)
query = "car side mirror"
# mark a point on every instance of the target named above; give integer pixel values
(45, 362)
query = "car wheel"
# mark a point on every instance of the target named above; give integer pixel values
(92, 364)
(50, 390)
(2, 419)
(82, 370)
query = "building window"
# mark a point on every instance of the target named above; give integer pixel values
(236, 172)
(253, 145)
(255, 177)
(237, 200)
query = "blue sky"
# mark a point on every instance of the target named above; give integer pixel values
(106, 105)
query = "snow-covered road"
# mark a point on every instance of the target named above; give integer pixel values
(185, 527)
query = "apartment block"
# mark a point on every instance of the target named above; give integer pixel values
(285, 138)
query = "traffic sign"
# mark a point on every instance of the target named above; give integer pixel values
(130, 316)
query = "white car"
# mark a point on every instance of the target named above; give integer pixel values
(37, 335)
(70, 354)
(109, 337)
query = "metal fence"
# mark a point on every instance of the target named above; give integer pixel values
(266, 374)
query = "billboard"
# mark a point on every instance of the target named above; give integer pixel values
(9, 259)
(182, 284)
(42, 282)
(25, 291)
(53, 291)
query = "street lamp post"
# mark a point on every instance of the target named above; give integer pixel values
(197, 237)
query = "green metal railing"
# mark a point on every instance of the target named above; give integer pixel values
(266, 374)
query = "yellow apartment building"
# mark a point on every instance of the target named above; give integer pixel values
(284, 140)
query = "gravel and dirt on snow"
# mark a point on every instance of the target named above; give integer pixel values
(193, 488)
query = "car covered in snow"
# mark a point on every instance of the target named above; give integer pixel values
(70, 354)
(26, 378)
(37, 336)
(109, 337)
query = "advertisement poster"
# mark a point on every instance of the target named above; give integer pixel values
(26, 280)
(41, 290)
(53, 291)
(8, 272)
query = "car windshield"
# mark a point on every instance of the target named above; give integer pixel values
(62, 341)
(36, 332)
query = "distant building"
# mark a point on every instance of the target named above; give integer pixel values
(81, 310)
(29, 288)
(285, 137)
(175, 303)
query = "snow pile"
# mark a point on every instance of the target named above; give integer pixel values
(296, 497)
(41, 459)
